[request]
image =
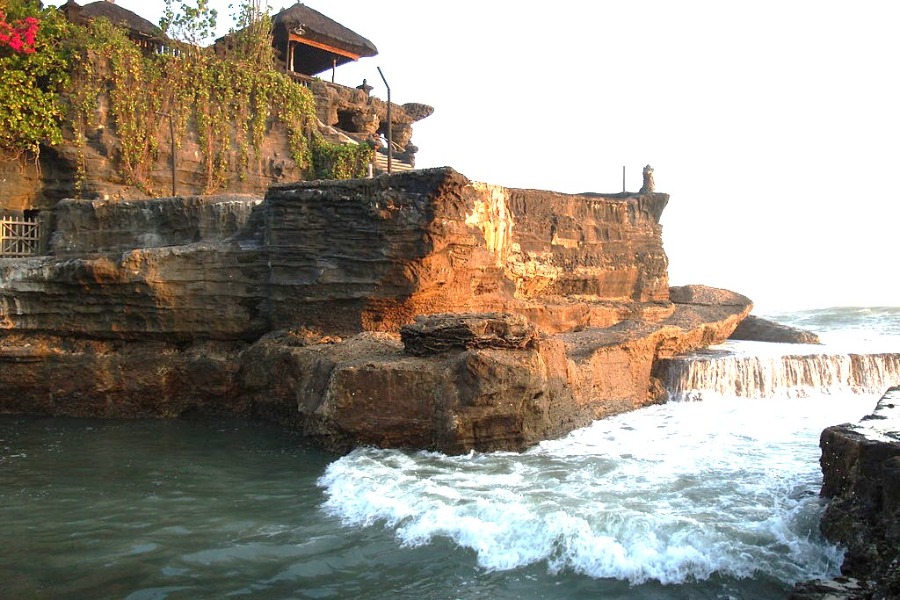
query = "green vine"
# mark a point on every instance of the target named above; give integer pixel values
(229, 104)
(340, 161)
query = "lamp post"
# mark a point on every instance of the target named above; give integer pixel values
(389, 142)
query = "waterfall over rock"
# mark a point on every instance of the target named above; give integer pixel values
(761, 371)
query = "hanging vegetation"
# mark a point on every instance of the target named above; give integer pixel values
(55, 75)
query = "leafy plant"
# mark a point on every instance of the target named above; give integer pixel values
(340, 161)
(193, 25)
(32, 68)
(228, 103)
(251, 38)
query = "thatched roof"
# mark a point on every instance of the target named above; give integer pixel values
(319, 28)
(115, 14)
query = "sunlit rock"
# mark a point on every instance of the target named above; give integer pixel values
(554, 310)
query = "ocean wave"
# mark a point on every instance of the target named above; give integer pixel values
(672, 494)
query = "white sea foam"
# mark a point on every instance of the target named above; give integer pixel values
(760, 370)
(670, 493)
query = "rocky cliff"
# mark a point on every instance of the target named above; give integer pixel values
(861, 467)
(345, 115)
(548, 310)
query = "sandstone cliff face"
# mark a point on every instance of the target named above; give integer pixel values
(40, 185)
(290, 308)
(434, 242)
(85, 227)
(342, 257)
(28, 185)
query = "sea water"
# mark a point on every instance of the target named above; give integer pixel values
(714, 498)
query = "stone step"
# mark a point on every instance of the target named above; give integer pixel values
(396, 164)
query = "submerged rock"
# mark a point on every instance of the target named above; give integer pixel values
(840, 588)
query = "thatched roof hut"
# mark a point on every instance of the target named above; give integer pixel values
(145, 33)
(310, 42)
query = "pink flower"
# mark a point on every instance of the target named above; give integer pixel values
(19, 36)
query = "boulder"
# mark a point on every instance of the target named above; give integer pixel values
(705, 295)
(757, 329)
(861, 468)
(434, 334)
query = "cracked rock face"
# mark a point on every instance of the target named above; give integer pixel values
(432, 242)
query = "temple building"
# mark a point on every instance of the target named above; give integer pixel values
(310, 43)
(144, 33)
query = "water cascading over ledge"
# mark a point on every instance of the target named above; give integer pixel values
(749, 370)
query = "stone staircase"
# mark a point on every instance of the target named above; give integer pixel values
(396, 164)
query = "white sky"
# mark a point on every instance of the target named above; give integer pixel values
(773, 125)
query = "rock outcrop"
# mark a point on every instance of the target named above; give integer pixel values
(415, 310)
(861, 468)
(362, 117)
(435, 334)
(342, 257)
(757, 329)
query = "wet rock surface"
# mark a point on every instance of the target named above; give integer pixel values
(757, 329)
(861, 468)
(841, 588)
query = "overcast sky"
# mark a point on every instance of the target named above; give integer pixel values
(773, 125)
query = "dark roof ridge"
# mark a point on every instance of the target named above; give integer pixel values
(321, 28)
(115, 14)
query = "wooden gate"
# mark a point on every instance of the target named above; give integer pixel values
(19, 237)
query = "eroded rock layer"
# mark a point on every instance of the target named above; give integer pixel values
(372, 254)
(546, 311)
(341, 257)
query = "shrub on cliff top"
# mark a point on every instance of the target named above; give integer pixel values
(32, 69)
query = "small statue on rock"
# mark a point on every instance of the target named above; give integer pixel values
(364, 86)
(649, 185)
